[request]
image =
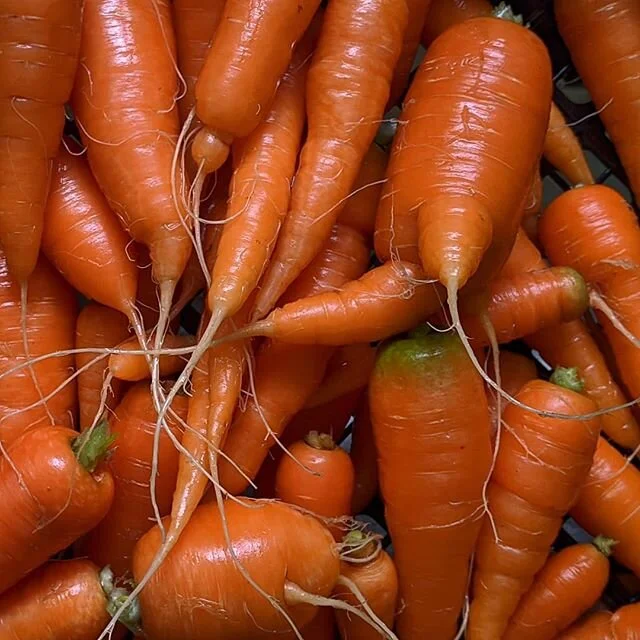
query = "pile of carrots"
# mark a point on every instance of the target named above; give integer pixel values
(221, 160)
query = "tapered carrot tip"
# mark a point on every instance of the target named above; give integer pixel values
(209, 151)
(455, 232)
(569, 378)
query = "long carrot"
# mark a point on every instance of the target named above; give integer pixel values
(347, 88)
(596, 625)
(38, 61)
(430, 416)
(603, 37)
(33, 395)
(569, 584)
(97, 327)
(540, 466)
(53, 492)
(610, 503)
(132, 511)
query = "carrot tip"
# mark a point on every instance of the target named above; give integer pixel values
(569, 378)
(92, 445)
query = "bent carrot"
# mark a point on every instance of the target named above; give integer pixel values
(569, 584)
(364, 457)
(430, 414)
(610, 503)
(540, 466)
(345, 101)
(97, 327)
(53, 492)
(38, 61)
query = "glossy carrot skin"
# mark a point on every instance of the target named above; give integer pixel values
(533, 208)
(596, 625)
(625, 622)
(569, 584)
(275, 544)
(195, 23)
(430, 415)
(131, 513)
(364, 457)
(50, 504)
(83, 238)
(39, 48)
(446, 13)
(97, 327)
(51, 321)
(124, 104)
(603, 38)
(528, 496)
(609, 503)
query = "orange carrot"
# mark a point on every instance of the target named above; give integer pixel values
(53, 491)
(321, 627)
(50, 327)
(569, 584)
(318, 476)
(524, 256)
(345, 101)
(132, 511)
(443, 14)
(97, 327)
(39, 55)
(430, 415)
(596, 625)
(540, 466)
(603, 37)
(610, 503)
(533, 207)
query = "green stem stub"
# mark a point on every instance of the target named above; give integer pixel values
(504, 11)
(321, 441)
(604, 545)
(116, 597)
(92, 446)
(569, 378)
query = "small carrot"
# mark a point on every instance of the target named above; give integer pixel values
(71, 600)
(596, 625)
(430, 415)
(540, 466)
(132, 511)
(345, 101)
(97, 327)
(53, 492)
(569, 584)
(364, 457)
(610, 503)
(318, 476)
(374, 574)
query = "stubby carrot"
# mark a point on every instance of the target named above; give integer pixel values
(38, 60)
(609, 503)
(569, 584)
(540, 466)
(430, 415)
(53, 492)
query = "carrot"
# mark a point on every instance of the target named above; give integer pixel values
(345, 101)
(526, 303)
(70, 600)
(569, 584)
(321, 627)
(373, 572)
(364, 457)
(596, 625)
(38, 60)
(524, 257)
(195, 23)
(430, 415)
(132, 511)
(318, 476)
(540, 466)
(443, 14)
(533, 207)
(97, 327)
(603, 38)
(53, 492)
(610, 503)
(134, 368)
(33, 395)
(359, 211)
(625, 622)
(290, 555)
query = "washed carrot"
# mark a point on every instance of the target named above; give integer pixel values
(372, 570)
(147, 294)
(569, 584)
(318, 476)
(610, 503)
(443, 14)
(625, 622)
(132, 511)
(524, 257)
(345, 101)
(364, 457)
(63, 600)
(50, 327)
(603, 37)
(595, 625)
(54, 490)
(533, 207)
(540, 466)
(97, 327)
(38, 58)
(430, 415)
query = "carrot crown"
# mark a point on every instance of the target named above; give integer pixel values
(92, 445)
(504, 11)
(116, 597)
(604, 545)
(359, 545)
(569, 378)
(322, 441)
